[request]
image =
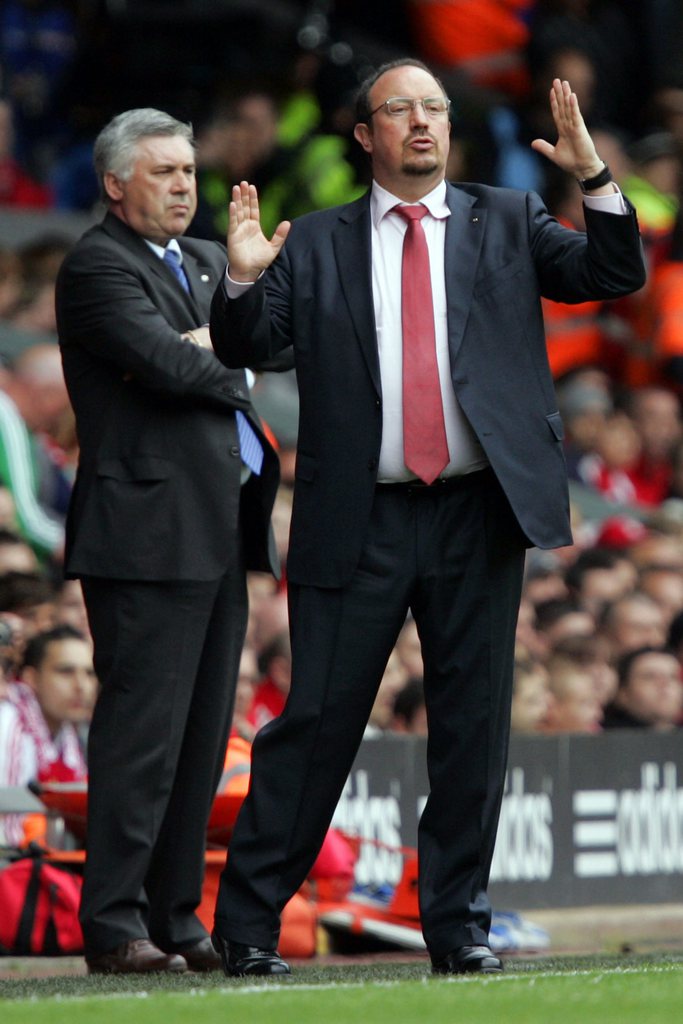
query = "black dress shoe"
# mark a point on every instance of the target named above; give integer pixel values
(201, 956)
(137, 956)
(240, 961)
(469, 960)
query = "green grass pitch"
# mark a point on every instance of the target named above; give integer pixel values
(568, 990)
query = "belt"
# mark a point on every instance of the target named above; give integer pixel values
(442, 483)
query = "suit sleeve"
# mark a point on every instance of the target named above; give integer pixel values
(255, 329)
(107, 308)
(605, 262)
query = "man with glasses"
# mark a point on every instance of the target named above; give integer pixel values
(429, 458)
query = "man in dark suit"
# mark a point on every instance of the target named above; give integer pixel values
(387, 518)
(164, 519)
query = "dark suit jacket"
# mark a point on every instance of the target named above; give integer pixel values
(502, 252)
(157, 492)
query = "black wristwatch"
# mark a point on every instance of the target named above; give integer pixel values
(603, 178)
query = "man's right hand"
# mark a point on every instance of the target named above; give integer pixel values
(249, 251)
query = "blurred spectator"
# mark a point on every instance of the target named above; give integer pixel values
(607, 33)
(409, 711)
(593, 655)
(247, 680)
(606, 469)
(656, 414)
(529, 643)
(531, 698)
(657, 549)
(484, 40)
(654, 186)
(70, 607)
(410, 649)
(18, 190)
(650, 693)
(585, 402)
(11, 276)
(30, 599)
(15, 554)
(631, 622)
(562, 617)
(275, 666)
(268, 611)
(575, 707)
(394, 679)
(598, 577)
(33, 397)
(664, 585)
(37, 47)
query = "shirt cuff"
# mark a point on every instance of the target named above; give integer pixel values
(608, 204)
(233, 289)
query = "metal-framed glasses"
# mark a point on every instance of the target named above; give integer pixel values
(401, 106)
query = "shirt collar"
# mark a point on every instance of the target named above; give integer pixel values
(381, 202)
(161, 249)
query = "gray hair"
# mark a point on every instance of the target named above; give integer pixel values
(115, 147)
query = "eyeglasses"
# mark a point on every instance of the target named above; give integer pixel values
(401, 106)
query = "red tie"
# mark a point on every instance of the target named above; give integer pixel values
(424, 433)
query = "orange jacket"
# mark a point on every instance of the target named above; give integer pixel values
(485, 39)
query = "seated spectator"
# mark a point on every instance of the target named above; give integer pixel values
(598, 577)
(15, 554)
(606, 469)
(585, 403)
(18, 190)
(650, 693)
(33, 399)
(410, 713)
(592, 655)
(268, 611)
(394, 679)
(275, 665)
(631, 622)
(562, 617)
(575, 707)
(665, 586)
(657, 549)
(656, 415)
(44, 719)
(531, 698)
(30, 598)
(543, 580)
(529, 643)
(410, 649)
(247, 681)
(70, 607)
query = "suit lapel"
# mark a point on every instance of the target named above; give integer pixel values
(203, 281)
(352, 243)
(464, 236)
(157, 268)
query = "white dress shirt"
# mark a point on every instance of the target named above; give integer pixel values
(466, 454)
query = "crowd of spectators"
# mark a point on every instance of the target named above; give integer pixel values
(600, 634)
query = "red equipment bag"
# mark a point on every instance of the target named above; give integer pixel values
(39, 909)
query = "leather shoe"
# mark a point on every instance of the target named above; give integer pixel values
(137, 956)
(201, 956)
(240, 961)
(469, 960)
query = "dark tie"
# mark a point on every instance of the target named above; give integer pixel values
(425, 446)
(251, 449)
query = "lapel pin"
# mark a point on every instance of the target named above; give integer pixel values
(205, 277)
(475, 220)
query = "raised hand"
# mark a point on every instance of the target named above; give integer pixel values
(249, 251)
(574, 150)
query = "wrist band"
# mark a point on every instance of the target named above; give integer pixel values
(603, 178)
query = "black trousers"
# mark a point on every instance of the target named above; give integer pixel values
(167, 656)
(454, 555)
